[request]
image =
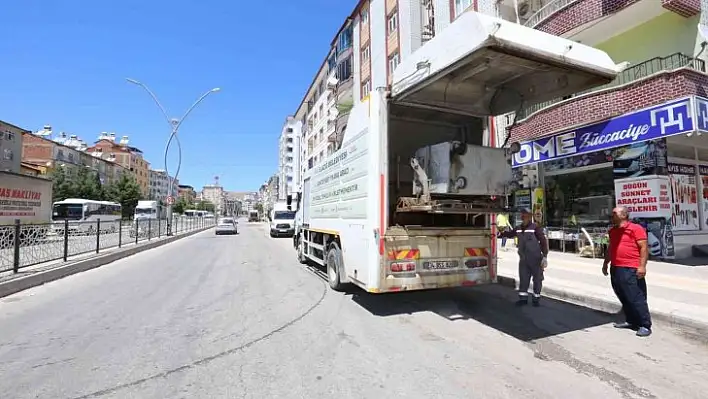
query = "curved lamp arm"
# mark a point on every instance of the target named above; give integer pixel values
(154, 97)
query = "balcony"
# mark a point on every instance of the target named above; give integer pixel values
(650, 83)
(601, 18)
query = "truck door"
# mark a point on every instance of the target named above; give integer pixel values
(485, 66)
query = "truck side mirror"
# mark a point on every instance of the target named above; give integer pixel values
(289, 199)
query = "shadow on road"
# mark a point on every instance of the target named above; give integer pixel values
(491, 305)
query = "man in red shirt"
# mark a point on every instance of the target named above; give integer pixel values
(627, 255)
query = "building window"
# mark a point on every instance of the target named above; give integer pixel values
(331, 63)
(392, 22)
(364, 15)
(461, 6)
(365, 88)
(345, 40)
(366, 53)
(289, 130)
(344, 69)
(393, 61)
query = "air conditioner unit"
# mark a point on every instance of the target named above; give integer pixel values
(527, 8)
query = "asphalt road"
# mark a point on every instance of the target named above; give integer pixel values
(239, 317)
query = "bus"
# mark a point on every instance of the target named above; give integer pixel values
(83, 215)
(193, 213)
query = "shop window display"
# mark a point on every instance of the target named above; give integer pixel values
(575, 201)
(703, 176)
(684, 197)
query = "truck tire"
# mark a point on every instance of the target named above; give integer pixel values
(333, 262)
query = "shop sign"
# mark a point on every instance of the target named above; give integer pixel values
(703, 170)
(668, 119)
(681, 169)
(701, 114)
(644, 197)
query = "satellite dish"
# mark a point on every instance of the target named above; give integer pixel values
(703, 31)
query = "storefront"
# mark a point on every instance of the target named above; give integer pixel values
(653, 161)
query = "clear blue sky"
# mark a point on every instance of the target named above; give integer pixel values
(65, 63)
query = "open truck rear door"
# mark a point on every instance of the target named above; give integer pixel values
(485, 66)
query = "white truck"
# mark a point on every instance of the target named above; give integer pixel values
(152, 210)
(282, 220)
(406, 203)
(27, 199)
(149, 216)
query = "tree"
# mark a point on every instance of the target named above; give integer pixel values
(87, 184)
(180, 205)
(62, 188)
(126, 191)
(258, 207)
(204, 206)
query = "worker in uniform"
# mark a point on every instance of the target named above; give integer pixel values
(533, 249)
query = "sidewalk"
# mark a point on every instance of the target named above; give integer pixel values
(677, 294)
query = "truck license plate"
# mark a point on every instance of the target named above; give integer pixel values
(440, 264)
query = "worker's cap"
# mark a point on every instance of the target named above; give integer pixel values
(525, 210)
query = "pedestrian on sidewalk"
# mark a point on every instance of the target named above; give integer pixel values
(532, 247)
(504, 226)
(627, 256)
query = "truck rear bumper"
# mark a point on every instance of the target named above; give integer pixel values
(419, 281)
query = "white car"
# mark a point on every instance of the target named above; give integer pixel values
(227, 226)
(654, 244)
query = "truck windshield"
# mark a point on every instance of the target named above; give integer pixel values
(68, 212)
(287, 215)
(144, 211)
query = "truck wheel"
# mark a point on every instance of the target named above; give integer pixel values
(334, 266)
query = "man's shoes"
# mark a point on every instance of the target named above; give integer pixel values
(536, 301)
(625, 325)
(643, 332)
(522, 301)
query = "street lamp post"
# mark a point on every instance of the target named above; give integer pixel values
(174, 127)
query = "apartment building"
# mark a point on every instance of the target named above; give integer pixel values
(11, 147)
(187, 193)
(120, 152)
(214, 193)
(159, 182)
(289, 157)
(363, 54)
(44, 151)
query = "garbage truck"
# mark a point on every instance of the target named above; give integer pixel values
(407, 201)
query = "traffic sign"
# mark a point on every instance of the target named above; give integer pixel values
(170, 200)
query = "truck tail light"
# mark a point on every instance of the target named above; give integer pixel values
(398, 267)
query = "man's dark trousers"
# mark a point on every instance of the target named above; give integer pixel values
(632, 293)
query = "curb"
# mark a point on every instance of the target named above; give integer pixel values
(40, 278)
(603, 305)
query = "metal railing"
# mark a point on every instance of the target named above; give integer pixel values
(631, 74)
(546, 11)
(23, 245)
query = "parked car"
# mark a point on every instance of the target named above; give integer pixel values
(227, 226)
